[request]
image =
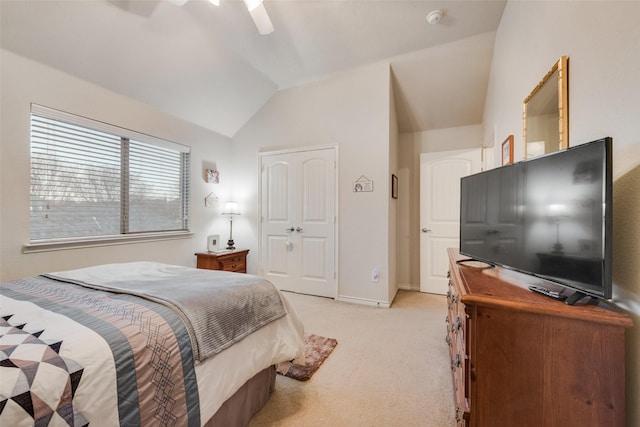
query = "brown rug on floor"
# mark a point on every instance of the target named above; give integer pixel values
(316, 351)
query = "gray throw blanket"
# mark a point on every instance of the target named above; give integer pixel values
(217, 307)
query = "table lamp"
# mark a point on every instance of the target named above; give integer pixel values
(231, 209)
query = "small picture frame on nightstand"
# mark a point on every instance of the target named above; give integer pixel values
(213, 243)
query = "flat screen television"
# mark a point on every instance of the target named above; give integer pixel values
(550, 217)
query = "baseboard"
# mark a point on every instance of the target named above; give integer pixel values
(408, 287)
(364, 301)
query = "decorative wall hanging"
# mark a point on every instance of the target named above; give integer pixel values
(213, 176)
(507, 150)
(211, 200)
(362, 185)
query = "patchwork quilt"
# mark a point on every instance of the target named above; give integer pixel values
(70, 355)
(75, 355)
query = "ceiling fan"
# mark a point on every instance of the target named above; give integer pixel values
(256, 10)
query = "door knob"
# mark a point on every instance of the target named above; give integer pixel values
(426, 230)
(299, 229)
(290, 229)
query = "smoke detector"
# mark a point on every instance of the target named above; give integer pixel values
(434, 16)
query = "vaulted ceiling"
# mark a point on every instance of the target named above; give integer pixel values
(208, 65)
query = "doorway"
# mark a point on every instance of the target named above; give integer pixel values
(440, 175)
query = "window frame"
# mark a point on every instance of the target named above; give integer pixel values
(43, 245)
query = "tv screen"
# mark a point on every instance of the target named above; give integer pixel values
(549, 217)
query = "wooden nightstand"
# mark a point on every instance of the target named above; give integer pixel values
(235, 261)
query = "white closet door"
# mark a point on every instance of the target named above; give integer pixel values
(297, 236)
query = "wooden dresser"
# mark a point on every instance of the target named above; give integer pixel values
(522, 359)
(235, 261)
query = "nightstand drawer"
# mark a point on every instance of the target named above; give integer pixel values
(235, 261)
(236, 264)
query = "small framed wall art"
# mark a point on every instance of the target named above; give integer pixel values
(507, 150)
(394, 186)
(213, 176)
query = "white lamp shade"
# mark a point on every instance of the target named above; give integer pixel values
(231, 208)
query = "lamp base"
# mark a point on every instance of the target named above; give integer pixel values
(230, 245)
(558, 249)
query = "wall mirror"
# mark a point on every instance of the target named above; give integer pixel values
(546, 113)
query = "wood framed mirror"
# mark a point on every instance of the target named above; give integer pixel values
(546, 113)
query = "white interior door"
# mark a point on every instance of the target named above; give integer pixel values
(440, 175)
(298, 224)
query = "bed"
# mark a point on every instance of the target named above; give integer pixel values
(142, 344)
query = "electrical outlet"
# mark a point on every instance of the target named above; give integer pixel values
(375, 275)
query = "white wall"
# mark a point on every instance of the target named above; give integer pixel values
(23, 82)
(410, 146)
(602, 41)
(351, 111)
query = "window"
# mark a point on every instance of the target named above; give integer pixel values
(90, 180)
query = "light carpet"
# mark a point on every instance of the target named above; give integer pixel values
(391, 368)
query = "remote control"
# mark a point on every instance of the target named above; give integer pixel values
(548, 292)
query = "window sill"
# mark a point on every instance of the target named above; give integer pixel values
(60, 245)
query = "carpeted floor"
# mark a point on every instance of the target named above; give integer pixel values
(391, 367)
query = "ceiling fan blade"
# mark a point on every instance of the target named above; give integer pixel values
(260, 17)
(256, 10)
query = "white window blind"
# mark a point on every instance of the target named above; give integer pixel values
(91, 179)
